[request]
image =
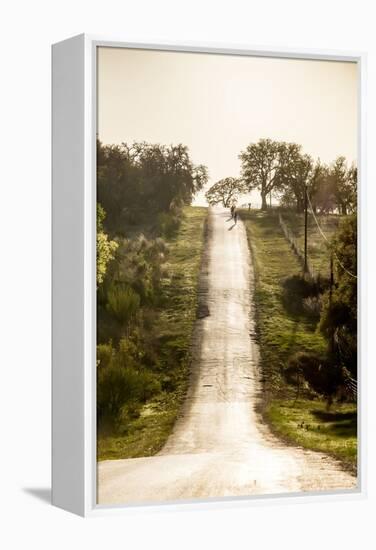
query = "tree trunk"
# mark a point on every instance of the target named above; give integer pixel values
(264, 204)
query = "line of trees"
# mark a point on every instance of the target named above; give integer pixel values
(286, 171)
(137, 183)
(141, 189)
(292, 176)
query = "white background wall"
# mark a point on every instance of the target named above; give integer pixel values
(27, 30)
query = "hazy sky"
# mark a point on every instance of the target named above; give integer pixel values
(218, 104)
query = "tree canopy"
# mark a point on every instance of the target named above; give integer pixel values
(136, 182)
(343, 182)
(263, 166)
(283, 167)
(225, 191)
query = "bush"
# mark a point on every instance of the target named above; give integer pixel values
(128, 412)
(105, 355)
(168, 224)
(312, 306)
(323, 376)
(123, 303)
(114, 388)
(123, 385)
(118, 386)
(141, 266)
(301, 294)
(105, 247)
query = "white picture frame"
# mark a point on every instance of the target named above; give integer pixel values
(74, 267)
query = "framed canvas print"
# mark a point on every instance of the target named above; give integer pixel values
(206, 274)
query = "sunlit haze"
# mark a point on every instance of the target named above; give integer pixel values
(218, 104)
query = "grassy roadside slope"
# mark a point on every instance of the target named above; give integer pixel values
(318, 251)
(280, 333)
(146, 435)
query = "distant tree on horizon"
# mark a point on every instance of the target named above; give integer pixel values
(284, 168)
(296, 176)
(225, 191)
(343, 180)
(264, 166)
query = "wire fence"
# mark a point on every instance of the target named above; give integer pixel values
(327, 241)
(349, 382)
(295, 246)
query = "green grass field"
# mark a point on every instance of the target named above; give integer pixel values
(281, 333)
(146, 434)
(309, 424)
(318, 250)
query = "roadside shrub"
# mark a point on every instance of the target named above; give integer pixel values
(312, 306)
(118, 386)
(115, 387)
(130, 352)
(106, 248)
(148, 385)
(123, 303)
(167, 224)
(296, 289)
(105, 355)
(129, 411)
(323, 376)
(123, 384)
(142, 267)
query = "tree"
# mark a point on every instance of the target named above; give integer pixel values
(169, 177)
(344, 185)
(322, 376)
(316, 186)
(352, 175)
(123, 304)
(296, 175)
(322, 193)
(105, 247)
(137, 182)
(263, 166)
(225, 191)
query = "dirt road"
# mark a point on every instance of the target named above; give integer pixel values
(219, 446)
